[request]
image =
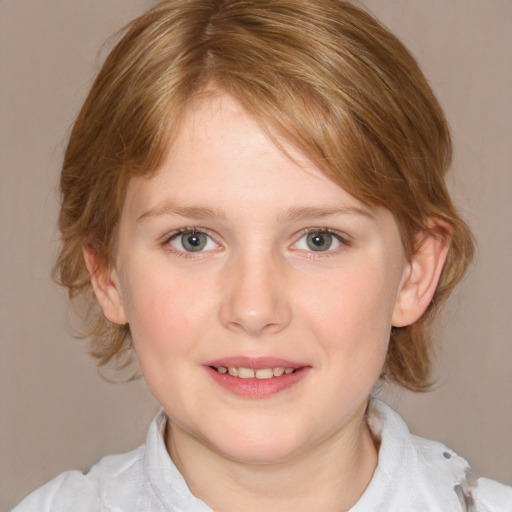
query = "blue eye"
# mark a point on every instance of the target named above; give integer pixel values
(192, 241)
(319, 241)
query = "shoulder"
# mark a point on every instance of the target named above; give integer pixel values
(143, 479)
(416, 474)
(90, 491)
(487, 495)
(443, 468)
(116, 482)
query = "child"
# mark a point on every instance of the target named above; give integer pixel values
(254, 192)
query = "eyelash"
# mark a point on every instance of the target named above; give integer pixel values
(166, 243)
(340, 237)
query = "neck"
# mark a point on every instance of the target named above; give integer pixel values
(329, 477)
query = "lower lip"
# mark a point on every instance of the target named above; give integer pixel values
(257, 388)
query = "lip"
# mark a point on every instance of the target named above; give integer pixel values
(256, 388)
(255, 362)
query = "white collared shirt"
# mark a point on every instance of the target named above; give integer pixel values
(413, 475)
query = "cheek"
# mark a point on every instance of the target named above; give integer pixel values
(351, 315)
(353, 301)
(168, 312)
(154, 309)
(161, 334)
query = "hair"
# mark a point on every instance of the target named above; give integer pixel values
(325, 75)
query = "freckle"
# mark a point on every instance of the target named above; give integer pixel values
(447, 455)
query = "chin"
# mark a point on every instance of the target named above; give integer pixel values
(263, 446)
(263, 454)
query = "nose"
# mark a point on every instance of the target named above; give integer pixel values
(254, 296)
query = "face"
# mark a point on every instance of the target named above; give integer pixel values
(260, 295)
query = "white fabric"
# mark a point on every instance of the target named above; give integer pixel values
(413, 475)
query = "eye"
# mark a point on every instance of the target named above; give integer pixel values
(191, 240)
(319, 240)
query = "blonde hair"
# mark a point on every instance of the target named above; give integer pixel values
(324, 75)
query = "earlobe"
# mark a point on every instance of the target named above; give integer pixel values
(105, 284)
(422, 274)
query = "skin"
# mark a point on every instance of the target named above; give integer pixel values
(257, 289)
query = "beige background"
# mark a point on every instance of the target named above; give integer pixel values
(56, 413)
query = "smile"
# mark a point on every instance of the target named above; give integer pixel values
(254, 373)
(256, 377)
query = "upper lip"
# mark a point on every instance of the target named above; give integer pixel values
(254, 362)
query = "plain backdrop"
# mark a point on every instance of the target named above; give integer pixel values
(56, 413)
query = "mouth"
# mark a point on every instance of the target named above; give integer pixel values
(242, 372)
(258, 377)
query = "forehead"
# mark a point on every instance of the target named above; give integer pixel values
(218, 124)
(220, 150)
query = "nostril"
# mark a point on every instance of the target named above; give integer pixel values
(253, 303)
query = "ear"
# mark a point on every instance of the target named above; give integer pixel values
(105, 284)
(422, 274)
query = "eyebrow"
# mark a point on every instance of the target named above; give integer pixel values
(292, 214)
(308, 212)
(171, 208)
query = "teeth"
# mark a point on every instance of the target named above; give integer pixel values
(245, 373)
(264, 373)
(250, 373)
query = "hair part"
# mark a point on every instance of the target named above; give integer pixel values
(325, 76)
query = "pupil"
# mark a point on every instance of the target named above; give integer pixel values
(193, 242)
(319, 241)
